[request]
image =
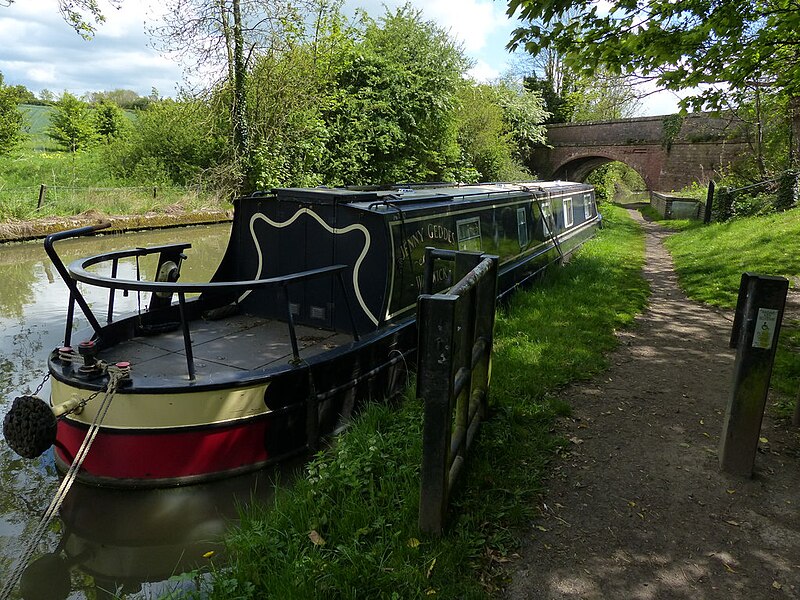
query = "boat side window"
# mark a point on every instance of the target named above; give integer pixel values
(547, 218)
(587, 206)
(567, 212)
(522, 227)
(469, 234)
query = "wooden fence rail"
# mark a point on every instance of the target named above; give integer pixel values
(453, 358)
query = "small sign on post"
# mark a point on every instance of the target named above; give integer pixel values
(756, 327)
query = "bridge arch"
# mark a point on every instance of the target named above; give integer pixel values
(578, 169)
(701, 147)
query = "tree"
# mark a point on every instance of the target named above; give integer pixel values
(80, 14)
(524, 115)
(486, 145)
(11, 119)
(71, 124)
(110, 121)
(395, 117)
(213, 37)
(603, 96)
(498, 125)
(572, 95)
(722, 45)
(291, 91)
(121, 97)
(47, 97)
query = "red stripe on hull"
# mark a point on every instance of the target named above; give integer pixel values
(154, 455)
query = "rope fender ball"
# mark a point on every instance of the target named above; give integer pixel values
(30, 426)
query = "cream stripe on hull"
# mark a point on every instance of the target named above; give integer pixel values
(168, 410)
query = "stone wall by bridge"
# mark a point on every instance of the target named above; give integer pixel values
(668, 152)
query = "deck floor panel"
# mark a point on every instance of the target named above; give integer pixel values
(221, 348)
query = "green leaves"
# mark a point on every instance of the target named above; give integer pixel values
(679, 44)
(71, 124)
(397, 101)
(10, 119)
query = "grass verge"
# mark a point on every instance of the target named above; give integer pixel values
(80, 182)
(710, 262)
(349, 528)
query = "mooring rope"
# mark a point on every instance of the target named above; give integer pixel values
(16, 573)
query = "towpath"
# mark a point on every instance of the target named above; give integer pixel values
(637, 508)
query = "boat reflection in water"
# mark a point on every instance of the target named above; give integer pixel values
(133, 543)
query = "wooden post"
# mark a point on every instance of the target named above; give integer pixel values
(435, 387)
(756, 327)
(709, 202)
(42, 194)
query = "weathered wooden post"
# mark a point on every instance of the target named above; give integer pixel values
(435, 384)
(42, 195)
(756, 327)
(709, 202)
(453, 356)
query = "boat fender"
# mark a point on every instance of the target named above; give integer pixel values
(168, 272)
(30, 426)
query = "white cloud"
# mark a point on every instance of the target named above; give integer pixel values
(483, 72)
(45, 75)
(40, 50)
(470, 21)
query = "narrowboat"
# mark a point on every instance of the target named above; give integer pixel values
(310, 313)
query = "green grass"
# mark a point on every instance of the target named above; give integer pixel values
(37, 120)
(82, 181)
(361, 497)
(710, 262)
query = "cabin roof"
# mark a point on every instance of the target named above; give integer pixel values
(421, 194)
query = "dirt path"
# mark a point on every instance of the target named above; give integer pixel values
(637, 508)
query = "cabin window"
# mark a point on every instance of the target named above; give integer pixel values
(567, 212)
(522, 227)
(469, 234)
(547, 218)
(587, 206)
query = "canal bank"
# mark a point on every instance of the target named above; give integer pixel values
(23, 230)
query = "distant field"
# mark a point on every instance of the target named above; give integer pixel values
(37, 119)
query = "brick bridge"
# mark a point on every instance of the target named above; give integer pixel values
(668, 152)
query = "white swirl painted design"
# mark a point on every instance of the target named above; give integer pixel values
(334, 231)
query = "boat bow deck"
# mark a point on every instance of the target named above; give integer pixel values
(224, 347)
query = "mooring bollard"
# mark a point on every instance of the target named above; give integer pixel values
(756, 327)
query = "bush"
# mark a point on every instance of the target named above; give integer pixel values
(10, 120)
(71, 124)
(173, 140)
(746, 205)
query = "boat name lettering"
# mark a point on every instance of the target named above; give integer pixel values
(431, 232)
(442, 274)
(440, 232)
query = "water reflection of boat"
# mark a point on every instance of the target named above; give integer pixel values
(310, 312)
(129, 541)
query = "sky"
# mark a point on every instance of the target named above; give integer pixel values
(39, 50)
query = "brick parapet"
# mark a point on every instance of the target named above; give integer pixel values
(697, 152)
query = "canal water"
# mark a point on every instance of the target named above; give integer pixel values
(105, 543)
